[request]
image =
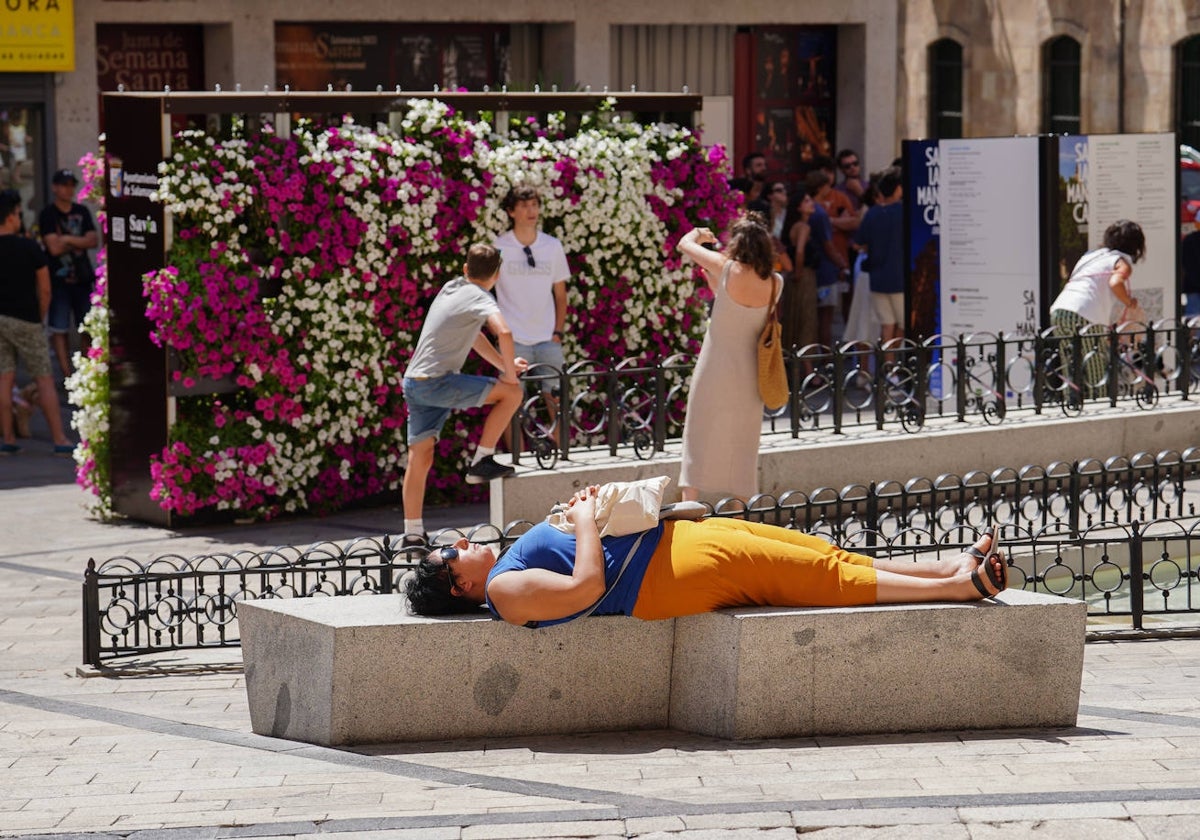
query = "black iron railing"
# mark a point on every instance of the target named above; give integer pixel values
(1118, 533)
(635, 407)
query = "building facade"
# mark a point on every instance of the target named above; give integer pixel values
(842, 52)
(789, 78)
(977, 69)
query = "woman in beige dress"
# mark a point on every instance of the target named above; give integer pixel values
(724, 412)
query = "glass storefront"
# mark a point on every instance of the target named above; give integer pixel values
(23, 165)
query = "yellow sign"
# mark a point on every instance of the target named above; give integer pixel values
(37, 36)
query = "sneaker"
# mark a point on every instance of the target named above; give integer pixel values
(487, 469)
(420, 540)
(9, 449)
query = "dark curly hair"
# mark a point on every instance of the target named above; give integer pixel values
(1127, 237)
(519, 193)
(428, 590)
(750, 244)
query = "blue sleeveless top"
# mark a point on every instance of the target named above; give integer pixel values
(545, 547)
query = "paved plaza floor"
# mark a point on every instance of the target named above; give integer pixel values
(164, 749)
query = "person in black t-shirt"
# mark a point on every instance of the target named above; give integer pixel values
(67, 233)
(24, 303)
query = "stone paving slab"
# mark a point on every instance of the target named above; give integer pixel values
(165, 751)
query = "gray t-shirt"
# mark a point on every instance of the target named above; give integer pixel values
(454, 320)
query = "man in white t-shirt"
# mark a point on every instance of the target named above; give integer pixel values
(532, 290)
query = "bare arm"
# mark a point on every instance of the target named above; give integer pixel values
(1119, 283)
(692, 246)
(55, 243)
(43, 292)
(541, 595)
(560, 308)
(782, 258)
(505, 360)
(799, 236)
(838, 259)
(847, 223)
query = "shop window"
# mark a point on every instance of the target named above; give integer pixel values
(22, 150)
(785, 97)
(1060, 86)
(945, 89)
(1187, 75)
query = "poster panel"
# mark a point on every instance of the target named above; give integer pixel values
(312, 56)
(136, 244)
(922, 210)
(1133, 176)
(149, 56)
(1071, 185)
(37, 37)
(793, 99)
(990, 239)
(922, 172)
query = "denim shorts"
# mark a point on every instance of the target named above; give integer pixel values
(546, 353)
(67, 300)
(828, 296)
(430, 401)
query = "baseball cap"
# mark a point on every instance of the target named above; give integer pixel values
(64, 176)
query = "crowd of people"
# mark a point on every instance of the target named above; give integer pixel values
(837, 267)
(46, 280)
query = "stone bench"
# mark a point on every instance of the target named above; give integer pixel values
(336, 671)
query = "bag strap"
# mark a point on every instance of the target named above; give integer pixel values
(624, 565)
(773, 310)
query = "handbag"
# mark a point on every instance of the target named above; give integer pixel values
(772, 375)
(1133, 315)
(622, 507)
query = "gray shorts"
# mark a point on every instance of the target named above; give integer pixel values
(547, 354)
(26, 341)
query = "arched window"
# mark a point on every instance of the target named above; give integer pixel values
(1060, 86)
(945, 89)
(1187, 91)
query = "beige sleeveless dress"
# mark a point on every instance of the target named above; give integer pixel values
(724, 411)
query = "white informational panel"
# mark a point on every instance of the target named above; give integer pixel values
(990, 242)
(1133, 176)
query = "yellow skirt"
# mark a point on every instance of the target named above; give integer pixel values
(707, 565)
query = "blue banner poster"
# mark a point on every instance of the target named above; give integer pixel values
(1072, 206)
(922, 209)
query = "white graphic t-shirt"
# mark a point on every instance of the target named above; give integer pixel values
(524, 291)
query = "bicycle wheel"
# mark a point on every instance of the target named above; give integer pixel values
(1146, 396)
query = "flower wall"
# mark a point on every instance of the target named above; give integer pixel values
(302, 267)
(88, 385)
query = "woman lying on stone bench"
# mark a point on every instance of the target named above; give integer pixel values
(683, 568)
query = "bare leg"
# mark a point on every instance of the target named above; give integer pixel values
(59, 342)
(825, 326)
(552, 407)
(505, 400)
(892, 588)
(48, 400)
(420, 459)
(963, 564)
(689, 494)
(6, 406)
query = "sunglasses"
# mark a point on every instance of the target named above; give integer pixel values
(447, 554)
(529, 256)
(849, 164)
